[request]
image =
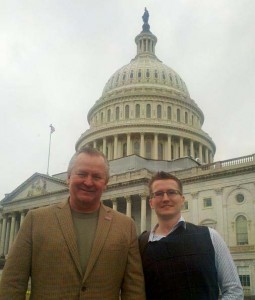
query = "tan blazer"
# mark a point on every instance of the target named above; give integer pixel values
(46, 250)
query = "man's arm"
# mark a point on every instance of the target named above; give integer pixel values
(228, 278)
(133, 281)
(16, 271)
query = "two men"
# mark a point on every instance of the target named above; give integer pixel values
(182, 261)
(78, 249)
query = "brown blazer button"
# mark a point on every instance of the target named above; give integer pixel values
(83, 288)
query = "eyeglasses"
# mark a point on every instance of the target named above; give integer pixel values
(170, 194)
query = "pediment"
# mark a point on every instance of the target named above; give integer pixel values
(37, 185)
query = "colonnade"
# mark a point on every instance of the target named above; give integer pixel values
(9, 226)
(11, 222)
(153, 146)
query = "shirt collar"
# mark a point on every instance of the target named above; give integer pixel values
(156, 237)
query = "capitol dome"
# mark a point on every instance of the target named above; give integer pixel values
(146, 69)
(146, 109)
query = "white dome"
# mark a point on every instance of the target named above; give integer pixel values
(146, 69)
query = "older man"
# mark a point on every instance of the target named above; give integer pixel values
(78, 249)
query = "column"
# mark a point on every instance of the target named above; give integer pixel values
(114, 204)
(13, 219)
(195, 208)
(201, 152)
(7, 237)
(143, 212)
(181, 146)
(206, 156)
(22, 216)
(169, 147)
(110, 156)
(192, 154)
(115, 154)
(176, 151)
(104, 145)
(155, 156)
(95, 144)
(210, 157)
(142, 145)
(129, 207)
(1, 224)
(128, 144)
(221, 208)
(3, 234)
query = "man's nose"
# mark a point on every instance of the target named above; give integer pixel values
(165, 197)
(88, 180)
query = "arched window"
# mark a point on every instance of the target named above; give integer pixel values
(124, 152)
(108, 115)
(241, 231)
(148, 149)
(117, 78)
(159, 111)
(169, 113)
(137, 111)
(127, 112)
(102, 117)
(117, 113)
(156, 74)
(132, 74)
(148, 111)
(192, 120)
(137, 147)
(186, 117)
(139, 73)
(178, 115)
(160, 151)
(148, 73)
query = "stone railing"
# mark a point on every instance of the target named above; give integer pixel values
(242, 248)
(229, 162)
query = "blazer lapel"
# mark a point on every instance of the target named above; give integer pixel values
(64, 216)
(103, 227)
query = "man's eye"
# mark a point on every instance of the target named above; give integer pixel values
(171, 192)
(81, 175)
(97, 177)
(159, 194)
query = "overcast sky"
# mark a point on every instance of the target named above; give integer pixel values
(57, 55)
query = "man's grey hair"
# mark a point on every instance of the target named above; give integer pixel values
(89, 151)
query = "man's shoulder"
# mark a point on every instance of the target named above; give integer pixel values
(48, 209)
(193, 227)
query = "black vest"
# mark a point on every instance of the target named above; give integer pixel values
(181, 266)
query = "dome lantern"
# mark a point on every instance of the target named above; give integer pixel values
(146, 41)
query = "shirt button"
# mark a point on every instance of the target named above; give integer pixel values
(83, 288)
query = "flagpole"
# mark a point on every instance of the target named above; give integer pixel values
(52, 129)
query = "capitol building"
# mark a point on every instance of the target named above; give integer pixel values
(146, 121)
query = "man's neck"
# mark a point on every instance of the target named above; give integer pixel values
(166, 225)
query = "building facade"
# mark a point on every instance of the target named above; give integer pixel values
(145, 121)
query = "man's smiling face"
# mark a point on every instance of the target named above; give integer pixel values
(167, 207)
(87, 181)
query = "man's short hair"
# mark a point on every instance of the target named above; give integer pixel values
(90, 151)
(161, 175)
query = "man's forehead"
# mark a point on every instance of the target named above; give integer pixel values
(164, 182)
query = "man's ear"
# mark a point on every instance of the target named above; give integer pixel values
(68, 180)
(151, 203)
